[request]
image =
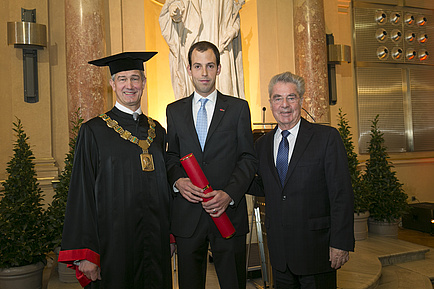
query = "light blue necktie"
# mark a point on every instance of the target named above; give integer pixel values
(202, 122)
(282, 157)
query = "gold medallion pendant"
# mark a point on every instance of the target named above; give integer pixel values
(146, 158)
(147, 162)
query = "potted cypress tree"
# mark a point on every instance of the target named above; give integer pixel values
(56, 210)
(361, 194)
(388, 199)
(23, 239)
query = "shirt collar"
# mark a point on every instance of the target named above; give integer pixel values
(293, 131)
(126, 109)
(212, 96)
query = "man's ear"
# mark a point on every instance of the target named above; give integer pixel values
(189, 70)
(219, 68)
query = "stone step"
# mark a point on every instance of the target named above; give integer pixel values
(376, 255)
(404, 257)
(362, 271)
(424, 267)
(395, 277)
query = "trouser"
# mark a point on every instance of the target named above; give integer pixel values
(288, 280)
(229, 257)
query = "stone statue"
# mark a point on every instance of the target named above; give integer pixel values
(185, 22)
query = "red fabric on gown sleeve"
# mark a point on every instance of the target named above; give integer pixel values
(69, 256)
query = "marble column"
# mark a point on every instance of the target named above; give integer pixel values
(311, 57)
(85, 41)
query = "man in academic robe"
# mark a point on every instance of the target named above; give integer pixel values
(116, 232)
(216, 128)
(303, 173)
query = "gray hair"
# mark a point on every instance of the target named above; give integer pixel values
(287, 77)
(142, 75)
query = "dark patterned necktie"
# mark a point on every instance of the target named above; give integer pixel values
(282, 157)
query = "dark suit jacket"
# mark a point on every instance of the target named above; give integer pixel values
(228, 159)
(314, 209)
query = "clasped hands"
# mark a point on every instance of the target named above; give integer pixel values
(215, 206)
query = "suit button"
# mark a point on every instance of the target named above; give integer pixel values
(283, 198)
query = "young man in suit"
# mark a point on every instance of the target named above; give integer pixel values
(303, 172)
(216, 128)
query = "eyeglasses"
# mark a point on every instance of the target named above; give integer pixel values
(278, 99)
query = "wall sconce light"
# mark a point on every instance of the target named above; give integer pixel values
(29, 36)
(337, 53)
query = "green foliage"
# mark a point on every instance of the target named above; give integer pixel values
(361, 194)
(56, 210)
(22, 219)
(389, 201)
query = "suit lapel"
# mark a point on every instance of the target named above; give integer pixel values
(219, 112)
(187, 114)
(303, 139)
(270, 154)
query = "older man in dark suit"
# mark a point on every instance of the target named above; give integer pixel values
(216, 128)
(303, 172)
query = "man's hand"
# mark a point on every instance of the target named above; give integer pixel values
(189, 191)
(338, 257)
(218, 204)
(90, 270)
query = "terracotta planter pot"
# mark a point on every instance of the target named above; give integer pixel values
(28, 277)
(383, 228)
(361, 226)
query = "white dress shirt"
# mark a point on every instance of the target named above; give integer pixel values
(209, 106)
(126, 109)
(292, 137)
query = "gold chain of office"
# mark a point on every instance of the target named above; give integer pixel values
(146, 158)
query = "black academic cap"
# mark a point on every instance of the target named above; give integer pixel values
(124, 61)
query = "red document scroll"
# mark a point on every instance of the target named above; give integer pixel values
(198, 179)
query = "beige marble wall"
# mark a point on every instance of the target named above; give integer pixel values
(36, 117)
(59, 92)
(85, 41)
(126, 32)
(12, 90)
(159, 86)
(338, 22)
(275, 36)
(311, 59)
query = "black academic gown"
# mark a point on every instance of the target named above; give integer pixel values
(115, 210)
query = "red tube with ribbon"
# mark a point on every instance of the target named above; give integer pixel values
(198, 179)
